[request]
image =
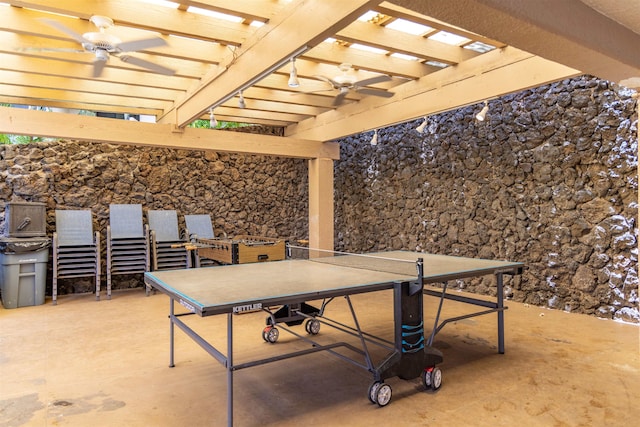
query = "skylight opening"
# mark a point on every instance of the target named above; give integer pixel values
(449, 38)
(437, 64)
(368, 48)
(368, 16)
(405, 56)
(480, 47)
(409, 27)
(213, 14)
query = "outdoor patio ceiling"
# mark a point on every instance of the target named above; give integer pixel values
(438, 55)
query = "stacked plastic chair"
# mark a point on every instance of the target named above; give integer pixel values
(199, 227)
(127, 242)
(76, 249)
(167, 248)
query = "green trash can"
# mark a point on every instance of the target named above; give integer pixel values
(23, 273)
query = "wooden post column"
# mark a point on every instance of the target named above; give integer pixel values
(321, 203)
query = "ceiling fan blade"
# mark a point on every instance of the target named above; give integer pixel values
(328, 80)
(64, 29)
(373, 80)
(50, 49)
(309, 92)
(147, 64)
(134, 45)
(98, 66)
(374, 92)
(339, 99)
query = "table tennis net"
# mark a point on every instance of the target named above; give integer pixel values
(377, 262)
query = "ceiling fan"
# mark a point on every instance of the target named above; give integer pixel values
(104, 45)
(346, 82)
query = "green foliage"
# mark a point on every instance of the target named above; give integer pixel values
(204, 124)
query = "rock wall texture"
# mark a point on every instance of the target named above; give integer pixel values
(255, 195)
(549, 179)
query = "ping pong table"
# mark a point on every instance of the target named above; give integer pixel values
(291, 283)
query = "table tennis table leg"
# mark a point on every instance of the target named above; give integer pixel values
(500, 307)
(230, 369)
(171, 332)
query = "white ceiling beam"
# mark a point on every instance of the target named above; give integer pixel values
(101, 101)
(30, 32)
(76, 105)
(306, 24)
(396, 11)
(568, 31)
(333, 52)
(17, 121)
(84, 71)
(147, 16)
(397, 41)
(85, 86)
(252, 10)
(488, 76)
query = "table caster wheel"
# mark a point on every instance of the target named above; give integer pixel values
(432, 378)
(373, 391)
(270, 334)
(312, 326)
(384, 395)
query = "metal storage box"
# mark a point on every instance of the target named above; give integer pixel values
(25, 219)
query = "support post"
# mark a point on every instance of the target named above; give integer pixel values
(321, 204)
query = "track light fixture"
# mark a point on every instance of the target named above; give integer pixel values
(293, 74)
(483, 113)
(420, 129)
(265, 73)
(241, 103)
(212, 119)
(374, 140)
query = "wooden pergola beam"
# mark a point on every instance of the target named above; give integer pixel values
(20, 121)
(497, 73)
(273, 44)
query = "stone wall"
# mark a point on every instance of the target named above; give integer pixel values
(244, 194)
(549, 179)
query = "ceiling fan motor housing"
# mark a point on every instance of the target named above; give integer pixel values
(100, 41)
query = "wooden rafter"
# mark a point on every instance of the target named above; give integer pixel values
(214, 58)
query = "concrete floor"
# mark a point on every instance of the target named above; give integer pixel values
(88, 363)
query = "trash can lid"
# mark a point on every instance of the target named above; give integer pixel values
(23, 244)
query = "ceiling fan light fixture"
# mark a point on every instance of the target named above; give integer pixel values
(293, 74)
(102, 55)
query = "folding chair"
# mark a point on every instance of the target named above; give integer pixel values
(76, 249)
